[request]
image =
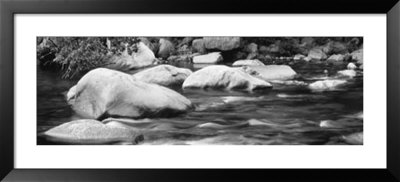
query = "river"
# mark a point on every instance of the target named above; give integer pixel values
(284, 115)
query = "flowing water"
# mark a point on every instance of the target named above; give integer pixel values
(285, 115)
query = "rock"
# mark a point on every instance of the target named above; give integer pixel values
(307, 59)
(220, 76)
(298, 57)
(211, 58)
(263, 50)
(361, 67)
(336, 58)
(180, 58)
(271, 72)
(166, 48)
(351, 66)
(357, 56)
(252, 55)
(354, 139)
(222, 43)
(334, 47)
(347, 73)
(253, 62)
(88, 131)
(142, 58)
(198, 46)
(184, 50)
(165, 75)
(251, 48)
(317, 54)
(102, 93)
(152, 46)
(326, 85)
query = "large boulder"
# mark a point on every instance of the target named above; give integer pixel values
(220, 76)
(271, 72)
(326, 85)
(317, 54)
(165, 75)
(358, 56)
(103, 92)
(211, 58)
(222, 43)
(142, 58)
(166, 48)
(248, 62)
(198, 46)
(88, 131)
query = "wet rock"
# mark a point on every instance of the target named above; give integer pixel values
(326, 85)
(357, 56)
(354, 139)
(211, 58)
(142, 58)
(198, 46)
(347, 73)
(104, 92)
(317, 54)
(307, 59)
(222, 43)
(336, 58)
(165, 75)
(248, 62)
(298, 57)
(166, 48)
(351, 66)
(87, 131)
(271, 72)
(251, 48)
(220, 76)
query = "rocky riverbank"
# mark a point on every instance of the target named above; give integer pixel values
(134, 89)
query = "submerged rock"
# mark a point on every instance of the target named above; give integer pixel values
(222, 43)
(165, 75)
(220, 76)
(87, 131)
(210, 58)
(347, 73)
(271, 72)
(326, 85)
(103, 92)
(142, 58)
(249, 62)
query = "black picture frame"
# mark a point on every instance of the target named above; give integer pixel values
(9, 8)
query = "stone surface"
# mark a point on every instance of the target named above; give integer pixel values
(317, 54)
(166, 48)
(326, 85)
(211, 58)
(271, 72)
(198, 46)
(224, 77)
(142, 58)
(336, 58)
(358, 56)
(298, 57)
(251, 48)
(253, 62)
(351, 66)
(104, 93)
(347, 73)
(88, 131)
(165, 75)
(354, 139)
(222, 43)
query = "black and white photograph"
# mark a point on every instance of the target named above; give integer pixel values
(205, 90)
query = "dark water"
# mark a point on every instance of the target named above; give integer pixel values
(286, 114)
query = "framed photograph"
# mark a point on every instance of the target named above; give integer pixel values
(132, 90)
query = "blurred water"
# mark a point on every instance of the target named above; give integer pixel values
(288, 115)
